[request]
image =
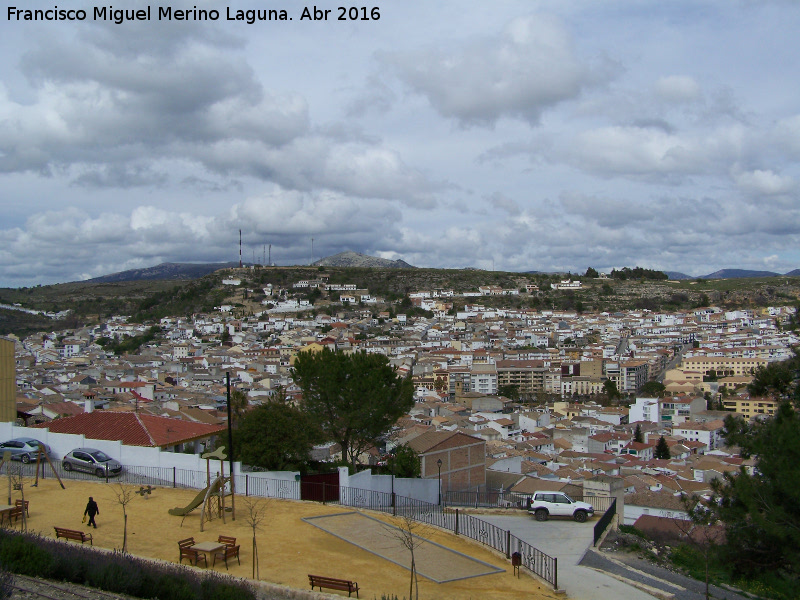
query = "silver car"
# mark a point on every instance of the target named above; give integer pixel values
(91, 460)
(24, 449)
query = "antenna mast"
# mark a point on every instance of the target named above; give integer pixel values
(240, 248)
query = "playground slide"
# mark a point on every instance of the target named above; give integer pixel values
(198, 500)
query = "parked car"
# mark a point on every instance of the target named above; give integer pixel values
(24, 449)
(557, 504)
(91, 460)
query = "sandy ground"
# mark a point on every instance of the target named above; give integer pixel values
(288, 548)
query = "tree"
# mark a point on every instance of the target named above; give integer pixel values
(255, 513)
(404, 462)
(355, 398)
(760, 509)
(610, 390)
(509, 391)
(239, 404)
(701, 530)
(276, 436)
(592, 273)
(775, 378)
(637, 434)
(652, 389)
(408, 533)
(662, 449)
(124, 496)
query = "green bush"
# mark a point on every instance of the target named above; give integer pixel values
(169, 587)
(23, 556)
(113, 572)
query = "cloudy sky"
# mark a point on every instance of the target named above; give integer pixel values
(515, 135)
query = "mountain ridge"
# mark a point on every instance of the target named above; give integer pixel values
(356, 259)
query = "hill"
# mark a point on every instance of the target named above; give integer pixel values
(164, 271)
(738, 274)
(795, 273)
(355, 259)
(677, 275)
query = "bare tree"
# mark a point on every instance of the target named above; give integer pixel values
(701, 530)
(124, 494)
(16, 479)
(255, 513)
(408, 532)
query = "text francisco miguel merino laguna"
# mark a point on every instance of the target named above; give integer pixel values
(167, 13)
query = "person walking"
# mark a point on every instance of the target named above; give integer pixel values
(91, 510)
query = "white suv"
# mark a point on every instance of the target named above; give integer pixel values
(545, 504)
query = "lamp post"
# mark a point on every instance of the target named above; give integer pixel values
(439, 464)
(394, 507)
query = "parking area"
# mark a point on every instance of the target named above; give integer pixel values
(568, 541)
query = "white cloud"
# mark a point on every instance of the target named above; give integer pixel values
(528, 67)
(677, 88)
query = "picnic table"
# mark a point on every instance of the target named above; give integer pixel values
(207, 548)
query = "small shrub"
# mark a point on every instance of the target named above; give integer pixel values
(219, 587)
(172, 588)
(633, 531)
(22, 555)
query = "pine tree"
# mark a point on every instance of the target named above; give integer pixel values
(662, 449)
(637, 435)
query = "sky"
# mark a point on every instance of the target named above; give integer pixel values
(506, 135)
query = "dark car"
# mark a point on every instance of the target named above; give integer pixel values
(91, 460)
(24, 449)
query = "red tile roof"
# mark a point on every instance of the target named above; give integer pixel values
(134, 429)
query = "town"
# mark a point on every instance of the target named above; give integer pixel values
(553, 398)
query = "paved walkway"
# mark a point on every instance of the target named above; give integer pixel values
(662, 582)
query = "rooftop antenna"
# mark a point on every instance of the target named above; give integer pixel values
(264, 255)
(240, 248)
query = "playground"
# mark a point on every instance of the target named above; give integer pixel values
(290, 541)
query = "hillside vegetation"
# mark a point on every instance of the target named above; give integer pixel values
(90, 302)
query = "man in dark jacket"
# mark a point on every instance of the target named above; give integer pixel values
(91, 510)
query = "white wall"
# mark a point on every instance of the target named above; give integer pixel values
(61, 443)
(426, 490)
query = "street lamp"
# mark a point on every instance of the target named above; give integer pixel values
(391, 460)
(439, 464)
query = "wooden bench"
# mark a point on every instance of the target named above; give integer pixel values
(230, 550)
(333, 584)
(73, 534)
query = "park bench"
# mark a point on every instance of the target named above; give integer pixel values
(229, 551)
(73, 534)
(333, 584)
(26, 504)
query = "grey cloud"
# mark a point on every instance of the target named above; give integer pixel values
(503, 202)
(121, 176)
(109, 113)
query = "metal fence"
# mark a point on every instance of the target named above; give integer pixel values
(506, 499)
(604, 521)
(502, 540)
